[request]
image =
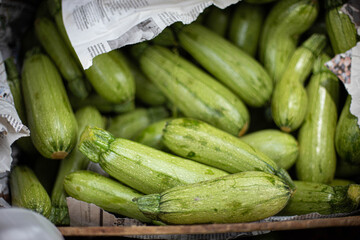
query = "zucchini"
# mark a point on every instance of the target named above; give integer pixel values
(288, 108)
(27, 191)
(101, 104)
(229, 64)
(239, 197)
(217, 20)
(146, 91)
(286, 21)
(206, 144)
(193, 91)
(51, 120)
(341, 30)
(87, 116)
(104, 192)
(111, 77)
(347, 136)
(341, 182)
(54, 45)
(152, 135)
(246, 25)
(281, 147)
(317, 156)
(130, 124)
(322, 198)
(141, 167)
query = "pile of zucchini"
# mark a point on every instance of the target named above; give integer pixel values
(232, 118)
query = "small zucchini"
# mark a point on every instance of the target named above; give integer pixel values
(322, 198)
(317, 156)
(27, 191)
(239, 197)
(141, 167)
(51, 120)
(281, 147)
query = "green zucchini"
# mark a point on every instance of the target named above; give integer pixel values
(104, 192)
(322, 198)
(101, 104)
(54, 45)
(152, 135)
(317, 156)
(288, 107)
(146, 91)
(141, 167)
(206, 144)
(129, 125)
(87, 116)
(239, 197)
(51, 120)
(229, 64)
(193, 91)
(286, 21)
(347, 136)
(217, 20)
(246, 25)
(281, 147)
(111, 77)
(27, 191)
(341, 30)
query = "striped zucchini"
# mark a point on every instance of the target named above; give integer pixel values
(322, 198)
(288, 107)
(246, 25)
(341, 30)
(239, 197)
(193, 91)
(281, 147)
(317, 156)
(206, 144)
(146, 91)
(130, 124)
(104, 192)
(229, 64)
(54, 45)
(51, 120)
(111, 77)
(101, 104)
(75, 161)
(347, 136)
(141, 167)
(152, 135)
(217, 20)
(27, 191)
(287, 20)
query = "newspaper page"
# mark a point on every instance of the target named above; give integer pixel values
(95, 27)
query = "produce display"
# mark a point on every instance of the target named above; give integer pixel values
(232, 118)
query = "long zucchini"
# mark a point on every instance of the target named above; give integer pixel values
(104, 192)
(317, 156)
(193, 91)
(341, 30)
(87, 116)
(229, 64)
(239, 197)
(246, 25)
(281, 147)
(289, 101)
(206, 144)
(111, 77)
(322, 198)
(51, 120)
(347, 136)
(54, 45)
(27, 191)
(141, 167)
